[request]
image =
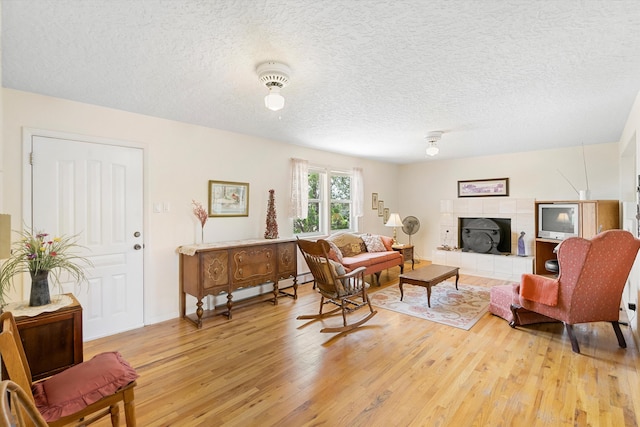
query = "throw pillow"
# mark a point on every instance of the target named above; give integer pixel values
(373, 243)
(387, 241)
(349, 244)
(334, 252)
(339, 271)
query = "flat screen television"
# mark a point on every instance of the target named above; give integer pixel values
(558, 220)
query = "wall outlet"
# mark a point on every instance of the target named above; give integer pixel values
(632, 306)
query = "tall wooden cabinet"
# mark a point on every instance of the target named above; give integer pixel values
(594, 216)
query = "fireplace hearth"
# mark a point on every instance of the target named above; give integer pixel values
(485, 235)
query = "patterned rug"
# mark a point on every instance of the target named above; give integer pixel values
(460, 308)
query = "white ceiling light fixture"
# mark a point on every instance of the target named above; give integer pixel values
(275, 76)
(432, 139)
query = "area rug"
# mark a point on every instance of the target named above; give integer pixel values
(460, 308)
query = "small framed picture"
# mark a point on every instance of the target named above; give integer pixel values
(228, 198)
(385, 216)
(380, 208)
(374, 201)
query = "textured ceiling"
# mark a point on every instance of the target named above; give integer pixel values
(369, 78)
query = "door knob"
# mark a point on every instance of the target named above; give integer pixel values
(137, 247)
(136, 234)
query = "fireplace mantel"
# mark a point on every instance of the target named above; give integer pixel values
(505, 267)
(521, 212)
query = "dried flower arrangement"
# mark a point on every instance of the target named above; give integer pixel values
(200, 212)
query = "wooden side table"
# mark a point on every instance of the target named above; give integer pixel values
(52, 341)
(407, 253)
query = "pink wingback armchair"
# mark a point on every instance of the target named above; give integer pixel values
(589, 286)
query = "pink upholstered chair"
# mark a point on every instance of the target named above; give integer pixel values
(589, 286)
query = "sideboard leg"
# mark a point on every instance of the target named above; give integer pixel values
(276, 292)
(229, 304)
(199, 312)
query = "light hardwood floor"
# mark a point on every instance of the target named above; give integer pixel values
(266, 368)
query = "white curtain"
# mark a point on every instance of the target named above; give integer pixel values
(358, 193)
(299, 202)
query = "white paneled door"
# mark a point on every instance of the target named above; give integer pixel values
(95, 190)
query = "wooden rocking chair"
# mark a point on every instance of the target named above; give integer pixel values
(346, 290)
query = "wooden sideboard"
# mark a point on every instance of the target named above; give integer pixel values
(213, 269)
(52, 341)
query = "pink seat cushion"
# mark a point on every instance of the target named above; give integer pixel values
(539, 289)
(82, 385)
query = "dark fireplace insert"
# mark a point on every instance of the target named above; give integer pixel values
(485, 235)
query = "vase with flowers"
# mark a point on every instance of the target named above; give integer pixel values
(43, 257)
(202, 215)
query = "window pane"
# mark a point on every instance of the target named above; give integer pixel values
(311, 224)
(340, 216)
(314, 185)
(340, 187)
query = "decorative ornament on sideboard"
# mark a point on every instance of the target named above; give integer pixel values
(272, 224)
(201, 213)
(43, 257)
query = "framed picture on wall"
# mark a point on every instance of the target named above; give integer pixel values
(385, 216)
(374, 201)
(484, 187)
(380, 208)
(228, 198)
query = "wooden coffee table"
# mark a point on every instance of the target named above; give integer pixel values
(428, 276)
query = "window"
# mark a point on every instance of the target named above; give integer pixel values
(330, 203)
(340, 202)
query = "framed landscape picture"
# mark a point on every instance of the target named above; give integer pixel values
(484, 187)
(228, 198)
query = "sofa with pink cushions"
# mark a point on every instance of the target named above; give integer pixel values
(371, 251)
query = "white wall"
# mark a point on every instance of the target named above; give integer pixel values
(182, 158)
(628, 182)
(532, 175)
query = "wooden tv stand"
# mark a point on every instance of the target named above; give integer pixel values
(212, 269)
(594, 216)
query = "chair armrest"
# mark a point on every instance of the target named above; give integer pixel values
(539, 289)
(352, 273)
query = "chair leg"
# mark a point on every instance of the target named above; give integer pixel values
(514, 312)
(572, 337)
(343, 307)
(114, 411)
(129, 408)
(616, 328)
(365, 297)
